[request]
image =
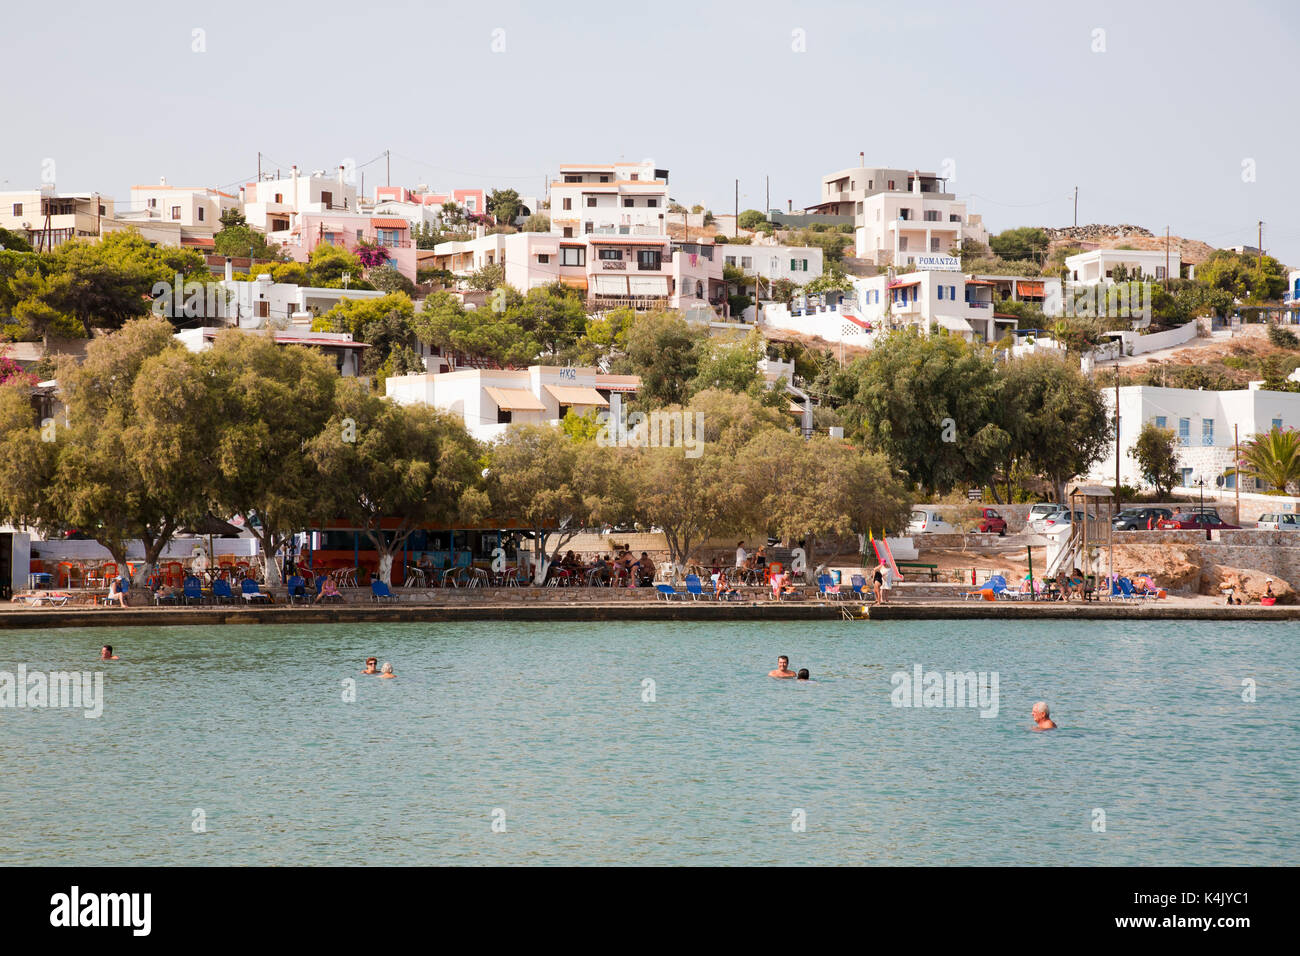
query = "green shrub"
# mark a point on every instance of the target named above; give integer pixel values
(1283, 338)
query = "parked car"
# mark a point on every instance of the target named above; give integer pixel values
(1139, 519)
(991, 522)
(1038, 514)
(1059, 520)
(928, 521)
(1279, 521)
(1194, 520)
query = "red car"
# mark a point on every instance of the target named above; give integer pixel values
(991, 522)
(1184, 521)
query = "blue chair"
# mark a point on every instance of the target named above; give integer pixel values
(249, 589)
(824, 584)
(193, 590)
(668, 592)
(379, 592)
(694, 588)
(859, 583)
(297, 588)
(221, 592)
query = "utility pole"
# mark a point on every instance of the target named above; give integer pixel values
(1117, 499)
(1076, 206)
(1260, 240)
(767, 198)
(388, 167)
(1166, 258)
(259, 166)
(737, 227)
(1236, 473)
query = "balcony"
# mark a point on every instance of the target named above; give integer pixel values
(613, 263)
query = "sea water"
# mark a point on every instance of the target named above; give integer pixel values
(657, 743)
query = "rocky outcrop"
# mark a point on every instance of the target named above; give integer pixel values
(1094, 232)
(1247, 583)
(1174, 568)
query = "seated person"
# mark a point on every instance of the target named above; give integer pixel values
(645, 570)
(116, 593)
(328, 591)
(722, 588)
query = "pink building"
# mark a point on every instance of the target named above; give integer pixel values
(471, 200)
(349, 230)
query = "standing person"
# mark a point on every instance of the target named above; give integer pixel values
(741, 553)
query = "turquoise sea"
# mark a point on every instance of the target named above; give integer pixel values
(542, 729)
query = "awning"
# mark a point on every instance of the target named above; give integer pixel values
(1024, 287)
(647, 285)
(954, 324)
(611, 285)
(576, 395)
(898, 282)
(198, 241)
(390, 223)
(515, 399)
(618, 383)
(578, 282)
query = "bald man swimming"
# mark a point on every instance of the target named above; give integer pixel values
(1042, 717)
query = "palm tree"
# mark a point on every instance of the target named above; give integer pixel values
(1274, 457)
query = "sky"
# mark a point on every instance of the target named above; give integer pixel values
(1162, 114)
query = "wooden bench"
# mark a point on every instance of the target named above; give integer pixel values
(933, 569)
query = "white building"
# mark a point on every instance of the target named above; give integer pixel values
(1202, 422)
(1292, 294)
(194, 211)
(46, 218)
(898, 214)
(799, 264)
(622, 199)
(1099, 264)
(274, 205)
(264, 303)
(490, 400)
(337, 345)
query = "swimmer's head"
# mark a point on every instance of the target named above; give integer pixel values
(387, 668)
(783, 662)
(1040, 711)
(372, 661)
(106, 650)
(803, 674)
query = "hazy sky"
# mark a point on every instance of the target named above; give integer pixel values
(1153, 127)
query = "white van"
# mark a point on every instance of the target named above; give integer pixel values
(928, 521)
(1279, 522)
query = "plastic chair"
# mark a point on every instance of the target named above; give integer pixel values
(193, 590)
(379, 592)
(221, 592)
(667, 592)
(297, 589)
(250, 591)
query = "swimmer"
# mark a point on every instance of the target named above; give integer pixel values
(387, 671)
(106, 653)
(372, 666)
(782, 668)
(803, 674)
(1042, 717)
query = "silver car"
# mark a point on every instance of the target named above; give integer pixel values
(1279, 521)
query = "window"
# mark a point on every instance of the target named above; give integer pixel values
(279, 197)
(932, 215)
(572, 178)
(359, 234)
(652, 203)
(202, 215)
(746, 262)
(327, 199)
(18, 208)
(905, 214)
(798, 265)
(1187, 477)
(153, 204)
(611, 253)
(891, 185)
(543, 258)
(1277, 423)
(1161, 421)
(902, 244)
(707, 252)
(568, 232)
(263, 309)
(627, 202)
(952, 292)
(503, 416)
(568, 202)
(176, 212)
(953, 217)
(649, 259)
(730, 260)
(934, 243)
(1160, 272)
(604, 177)
(573, 256)
(1207, 431)
(588, 228)
(591, 201)
(635, 177)
(1184, 431)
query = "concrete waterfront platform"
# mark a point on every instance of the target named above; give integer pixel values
(562, 611)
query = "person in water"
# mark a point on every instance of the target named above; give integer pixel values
(387, 671)
(372, 666)
(106, 653)
(782, 668)
(803, 674)
(1042, 717)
